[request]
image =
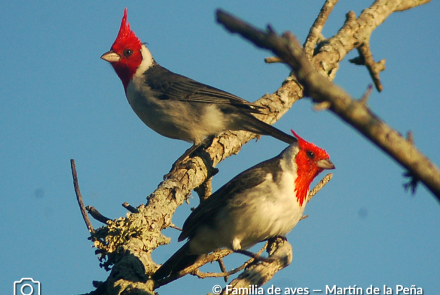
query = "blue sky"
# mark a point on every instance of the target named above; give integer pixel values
(59, 101)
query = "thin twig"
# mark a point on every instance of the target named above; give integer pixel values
(315, 30)
(319, 186)
(98, 216)
(273, 59)
(172, 225)
(225, 273)
(130, 208)
(374, 68)
(79, 197)
(223, 268)
(410, 137)
(257, 274)
(304, 217)
(366, 96)
(192, 269)
(325, 105)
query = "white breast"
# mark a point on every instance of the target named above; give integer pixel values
(267, 210)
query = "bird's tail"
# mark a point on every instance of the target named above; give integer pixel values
(260, 127)
(179, 261)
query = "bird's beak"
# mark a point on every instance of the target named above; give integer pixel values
(111, 56)
(325, 164)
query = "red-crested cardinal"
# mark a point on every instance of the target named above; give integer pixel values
(260, 203)
(174, 105)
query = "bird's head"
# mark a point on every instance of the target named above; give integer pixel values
(310, 161)
(125, 54)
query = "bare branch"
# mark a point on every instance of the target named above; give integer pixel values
(231, 272)
(79, 197)
(366, 96)
(280, 252)
(325, 105)
(223, 268)
(130, 208)
(315, 30)
(271, 60)
(342, 104)
(172, 225)
(374, 68)
(319, 186)
(304, 217)
(98, 216)
(408, 4)
(192, 269)
(410, 137)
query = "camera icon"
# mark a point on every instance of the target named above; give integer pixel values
(27, 286)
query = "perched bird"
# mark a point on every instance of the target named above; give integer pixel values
(262, 202)
(176, 106)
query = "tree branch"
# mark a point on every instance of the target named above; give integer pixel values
(79, 197)
(280, 252)
(130, 208)
(374, 68)
(193, 269)
(316, 85)
(315, 30)
(319, 186)
(97, 215)
(408, 4)
(228, 273)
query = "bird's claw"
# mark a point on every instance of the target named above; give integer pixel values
(412, 182)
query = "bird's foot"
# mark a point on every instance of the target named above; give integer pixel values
(412, 182)
(182, 164)
(284, 238)
(179, 162)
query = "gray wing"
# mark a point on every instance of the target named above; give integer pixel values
(172, 86)
(249, 178)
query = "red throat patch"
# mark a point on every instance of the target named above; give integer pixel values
(307, 168)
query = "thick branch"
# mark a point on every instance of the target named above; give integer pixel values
(352, 111)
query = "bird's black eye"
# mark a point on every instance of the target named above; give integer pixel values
(310, 155)
(128, 52)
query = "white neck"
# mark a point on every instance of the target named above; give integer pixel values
(288, 155)
(147, 61)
